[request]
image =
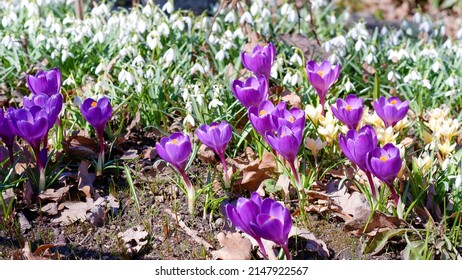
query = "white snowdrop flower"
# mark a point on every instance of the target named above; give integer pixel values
(338, 43)
(55, 53)
(246, 18)
(138, 61)
(178, 24)
(370, 58)
(417, 18)
(168, 7)
(169, 57)
(147, 10)
(295, 80)
(447, 44)
(360, 45)
(358, 31)
(100, 68)
(69, 81)
(189, 119)
(135, 38)
(239, 34)
(126, 77)
(425, 27)
(459, 34)
(98, 38)
(296, 59)
(8, 42)
(413, 76)
(230, 17)
(292, 16)
(185, 95)
(285, 9)
(62, 42)
(178, 81)
(216, 27)
(436, 66)
(384, 31)
(149, 74)
(426, 83)
(396, 56)
(429, 53)
(450, 82)
(141, 26)
(221, 55)
(77, 100)
(32, 10)
(197, 68)
(349, 86)
(9, 19)
(153, 40)
(163, 29)
(333, 19)
(206, 22)
(457, 182)
(266, 13)
(450, 93)
(275, 68)
(317, 4)
(101, 10)
(138, 87)
(333, 59)
(393, 76)
(65, 54)
(40, 38)
(287, 79)
(254, 8)
(215, 103)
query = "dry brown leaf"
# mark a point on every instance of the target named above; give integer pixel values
(72, 212)
(309, 47)
(206, 154)
(85, 179)
(80, 147)
(284, 182)
(293, 100)
(55, 195)
(352, 203)
(234, 247)
(50, 208)
(363, 223)
(41, 253)
(24, 224)
(134, 239)
(150, 153)
(313, 244)
(131, 154)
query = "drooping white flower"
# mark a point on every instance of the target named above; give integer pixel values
(413, 76)
(126, 77)
(296, 59)
(230, 17)
(393, 76)
(168, 7)
(246, 18)
(169, 57)
(436, 66)
(349, 86)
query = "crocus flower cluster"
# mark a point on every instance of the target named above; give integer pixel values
(97, 113)
(254, 90)
(361, 147)
(32, 122)
(322, 77)
(176, 150)
(262, 219)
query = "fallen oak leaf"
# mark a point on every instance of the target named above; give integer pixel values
(72, 212)
(134, 239)
(234, 247)
(85, 179)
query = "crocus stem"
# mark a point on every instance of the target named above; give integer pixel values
(287, 252)
(41, 169)
(262, 248)
(393, 193)
(371, 183)
(296, 176)
(191, 192)
(301, 191)
(99, 167)
(322, 100)
(11, 152)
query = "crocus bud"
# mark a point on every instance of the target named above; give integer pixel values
(260, 61)
(46, 82)
(251, 92)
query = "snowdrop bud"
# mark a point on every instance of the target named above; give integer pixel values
(189, 120)
(169, 57)
(221, 55)
(349, 87)
(230, 17)
(149, 74)
(138, 87)
(100, 68)
(168, 7)
(147, 10)
(246, 18)
(436, 66)
(254, 9)
(99, 37)
(178, 81)
(296, 59)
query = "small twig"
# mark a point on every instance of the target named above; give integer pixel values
(313, 26)
(79, 9)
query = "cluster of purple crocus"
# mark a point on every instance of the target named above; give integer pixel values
(176, 150)
(40, 112)
(360, 147)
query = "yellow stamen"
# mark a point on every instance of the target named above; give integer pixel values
(320, 73)
(348, 107)
(175, 141)
(271, 217)
(93, 104)
(262, 112)
(213, 126)
(383, 158)
(393, 102)
(291, 119)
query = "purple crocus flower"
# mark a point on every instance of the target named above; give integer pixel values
(322, 77)
(274, 223)
(176, 150)
(355, 147)
(52, 104)
(391, 110)
(385, 163)
(287, 142)
(251, 92)
(216, 136)
(349, 111)
(262, 219)
(7, 132)
(261, 117)
(97, 113)
(31, 124)
(46, 82)
(290, 118)
(260, 61)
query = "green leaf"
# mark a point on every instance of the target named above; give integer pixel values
(381, 239)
